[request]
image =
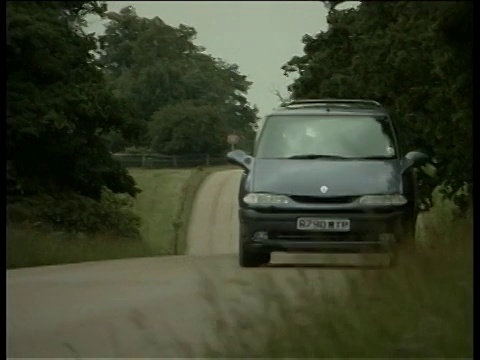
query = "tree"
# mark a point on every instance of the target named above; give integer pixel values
(155, 65)
(188, 128)
(58, 104)
(415, 58)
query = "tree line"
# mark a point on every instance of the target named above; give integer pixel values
(75, 97)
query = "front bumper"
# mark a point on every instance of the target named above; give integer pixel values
(369, 232)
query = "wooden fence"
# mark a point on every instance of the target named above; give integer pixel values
(159, 161)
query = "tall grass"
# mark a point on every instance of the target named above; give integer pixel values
(27, 246)
(158, 205)
(420, 308)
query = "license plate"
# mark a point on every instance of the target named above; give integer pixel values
(316, 224)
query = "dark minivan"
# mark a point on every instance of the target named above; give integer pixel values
(326, 176)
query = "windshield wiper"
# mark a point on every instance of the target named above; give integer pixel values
(377, 157)
(316, 156)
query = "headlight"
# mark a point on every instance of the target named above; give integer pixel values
(383, 200)
(265, 199)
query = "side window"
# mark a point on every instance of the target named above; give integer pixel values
(399, 134)
(258, 135)
(259, 132)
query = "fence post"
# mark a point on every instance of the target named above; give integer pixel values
(143, 160)
(174, 161)
(207, 160)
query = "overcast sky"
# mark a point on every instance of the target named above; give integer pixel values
(259, 36)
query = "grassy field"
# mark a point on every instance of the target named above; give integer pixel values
(420, 308)
(164, 206)
(158, 205)
(28, 247)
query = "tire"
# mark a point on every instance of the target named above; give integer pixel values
(405, 233)
(248, 257)
(393, 258)
(391, 248)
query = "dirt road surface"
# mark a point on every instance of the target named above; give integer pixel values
(143, 307)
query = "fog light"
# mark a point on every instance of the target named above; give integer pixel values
(260, 236)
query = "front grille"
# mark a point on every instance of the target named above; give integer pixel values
(324, 200)
(319, 212)
(315, 236)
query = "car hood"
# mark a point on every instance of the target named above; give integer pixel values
(341, 177)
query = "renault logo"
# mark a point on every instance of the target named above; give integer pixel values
(324, 189)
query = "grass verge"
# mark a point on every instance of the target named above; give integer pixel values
(158, 204)
(421, 308)
(165, 204)
(27, 247)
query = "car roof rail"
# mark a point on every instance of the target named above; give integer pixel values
(332, 102)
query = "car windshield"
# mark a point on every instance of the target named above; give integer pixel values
(316, 136)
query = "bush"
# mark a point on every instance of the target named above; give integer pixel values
(113, 214)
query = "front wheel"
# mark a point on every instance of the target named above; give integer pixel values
(405, 233)
(248, 257)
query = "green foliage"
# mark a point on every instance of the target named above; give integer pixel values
(74, 213)
(154, 65)
(115, 141)
(59, 105)
(188, 128)
(28, 246)
(73, 98)
(415, 58)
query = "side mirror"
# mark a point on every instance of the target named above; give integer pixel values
(414, 159)
(240, 158)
